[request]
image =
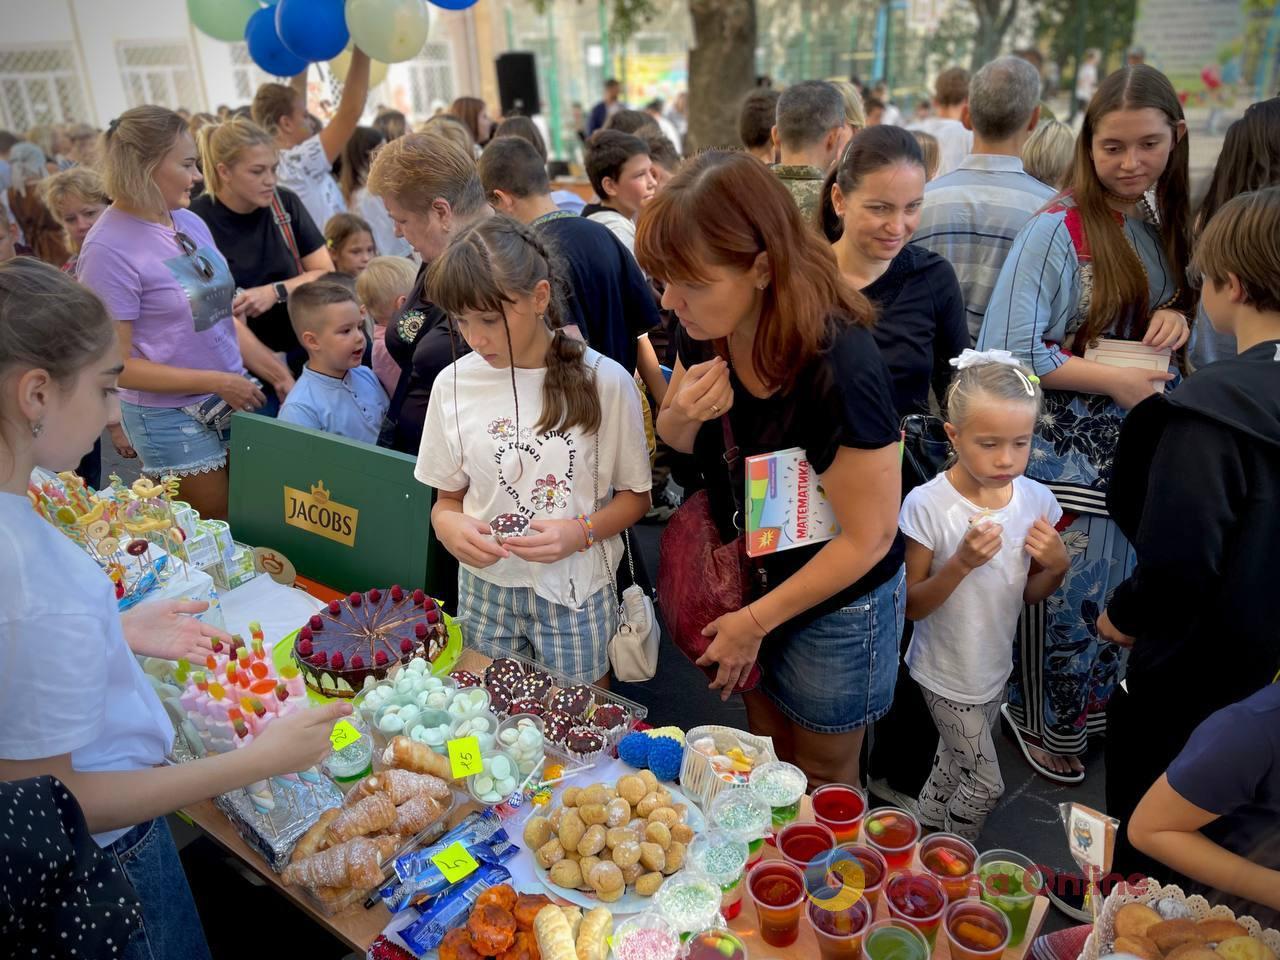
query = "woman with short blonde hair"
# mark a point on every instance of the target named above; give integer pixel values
(76, 198)
(155, 265)
(1048, 152)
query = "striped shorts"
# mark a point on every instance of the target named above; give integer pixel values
(572, 642)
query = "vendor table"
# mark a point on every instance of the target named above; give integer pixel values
(358, 927)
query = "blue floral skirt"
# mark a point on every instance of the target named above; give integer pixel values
(1063, 674)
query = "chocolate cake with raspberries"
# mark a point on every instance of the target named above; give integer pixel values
(364, 635)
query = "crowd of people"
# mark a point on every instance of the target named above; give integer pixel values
(573, 364)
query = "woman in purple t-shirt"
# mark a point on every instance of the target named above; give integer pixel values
(155, 265)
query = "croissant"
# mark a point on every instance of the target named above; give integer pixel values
(415, 814)
(554, 936)
(411, 755)
(356, 863)
(368, 816)
(400, 785)
(315, 839)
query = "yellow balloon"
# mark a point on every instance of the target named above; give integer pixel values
(340, 64)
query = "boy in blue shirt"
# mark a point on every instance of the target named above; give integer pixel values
(334, 393)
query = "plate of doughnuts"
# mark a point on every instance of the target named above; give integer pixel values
(613, 843)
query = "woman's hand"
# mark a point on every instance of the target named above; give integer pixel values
(736, 644)
(299, 740)
(254, 302)
(1168, 328)
(1044, 545)
(239, 392)
(550, 541)
(168, 629)
(468, 539)
(1131, 385)
(282, 386)
(705, 391)
(120, 440)
(1111, 634)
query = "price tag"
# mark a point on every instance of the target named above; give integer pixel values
(464, 757)
(454, 861)
(343, 735)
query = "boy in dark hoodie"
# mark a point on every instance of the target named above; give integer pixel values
(1196, 488)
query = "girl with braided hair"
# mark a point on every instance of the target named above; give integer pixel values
(535, 445)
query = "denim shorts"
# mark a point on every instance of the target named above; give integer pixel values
(838, 672)
(170, 926)
(170, 441)
(573, 642)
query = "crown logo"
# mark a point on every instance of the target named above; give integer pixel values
(318, 493)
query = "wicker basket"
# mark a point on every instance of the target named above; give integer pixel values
(1100, 941)
(697, 779)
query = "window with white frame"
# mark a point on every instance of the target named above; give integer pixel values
(431, 78)
(245, 73)
(40, 85)
(159, 73)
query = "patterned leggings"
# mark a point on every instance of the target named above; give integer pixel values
(965, 784)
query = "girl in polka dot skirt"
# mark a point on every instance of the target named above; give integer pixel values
(74, 703)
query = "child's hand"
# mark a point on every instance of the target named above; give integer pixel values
(979, 545)
(551, 540)
(1046, 548)
(468, 539)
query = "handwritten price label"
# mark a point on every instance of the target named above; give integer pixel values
(454, 861)
(464, 757)
(343, 735)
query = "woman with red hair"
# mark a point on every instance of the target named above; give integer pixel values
(774, 344)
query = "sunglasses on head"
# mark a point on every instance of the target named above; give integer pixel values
(201, 262)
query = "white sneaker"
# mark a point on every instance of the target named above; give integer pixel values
(882, 790)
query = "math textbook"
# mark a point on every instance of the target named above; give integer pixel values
(786, 505)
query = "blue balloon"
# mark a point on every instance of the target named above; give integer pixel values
(312, 29)
(453, 4)
(266, 49)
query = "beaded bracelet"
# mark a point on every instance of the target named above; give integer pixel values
(588, 531)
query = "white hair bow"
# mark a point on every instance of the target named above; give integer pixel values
(977, 358)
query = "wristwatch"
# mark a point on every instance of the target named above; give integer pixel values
(282, 292)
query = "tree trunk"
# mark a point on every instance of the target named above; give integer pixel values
(722, 70)
(995, 17)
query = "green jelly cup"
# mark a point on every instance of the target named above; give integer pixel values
(780, 785)
(894, 939)
(1009, 882)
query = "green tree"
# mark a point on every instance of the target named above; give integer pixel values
(995, 17)
(1108, 26)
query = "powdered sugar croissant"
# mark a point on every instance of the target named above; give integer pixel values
(415, 814)
(356, 863)
(400, 785)
(370, 815)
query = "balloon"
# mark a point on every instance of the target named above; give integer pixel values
(221, 19)
(340, 64)
(388, 30)
(454, 4)
(312, 29)
(266, 49)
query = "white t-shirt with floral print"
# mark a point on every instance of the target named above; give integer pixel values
(473, 439)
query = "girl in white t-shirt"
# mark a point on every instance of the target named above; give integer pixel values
(980, 543)
(74, 703)
(534, 439)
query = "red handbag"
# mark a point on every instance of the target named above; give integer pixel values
(700, 578)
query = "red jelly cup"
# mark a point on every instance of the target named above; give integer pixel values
(777, 889)
(840, 807)
(917, 899)
(802, 843)
(975, 930)
(839, 931)
(861, 867)
(952, 860)
(894, 833)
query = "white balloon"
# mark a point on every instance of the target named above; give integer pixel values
(340, 64)
(388, 30)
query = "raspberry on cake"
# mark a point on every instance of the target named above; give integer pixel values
(363, 635)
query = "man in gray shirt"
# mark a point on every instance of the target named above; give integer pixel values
(971, 215)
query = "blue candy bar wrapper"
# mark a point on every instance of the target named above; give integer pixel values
(451, 908)
(397, 895)
(473, 828)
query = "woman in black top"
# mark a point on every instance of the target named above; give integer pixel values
(268, 259)
(431, 190)
(870, 208)
(773, 339)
